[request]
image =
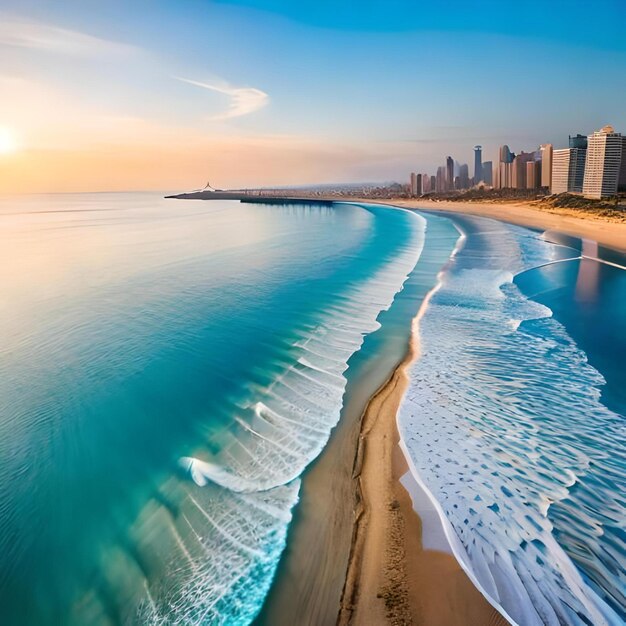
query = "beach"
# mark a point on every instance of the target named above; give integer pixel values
(399, 566)
(606, 232)
(393, 577)
(355, 554)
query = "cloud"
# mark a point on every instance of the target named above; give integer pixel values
(243, 100)
(19, 33)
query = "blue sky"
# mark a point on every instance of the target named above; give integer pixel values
(263, 92)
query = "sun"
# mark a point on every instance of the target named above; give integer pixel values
(8, 141)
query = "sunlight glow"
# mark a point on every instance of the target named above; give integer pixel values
(8, 142)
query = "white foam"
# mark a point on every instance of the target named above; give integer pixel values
(304, 402)
(483, 426)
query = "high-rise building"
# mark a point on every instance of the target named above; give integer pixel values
(418, 188)
(560, 170)
(533, 174)
(518, 178)
(433, 183)
(449, 173)
(464, 180)
(568, 170)
(546, 164)
(621, 183)
(506, 156)
(578, 161)
(413, 184)
(478, 164)
(488, 173)
(505, 175)
(504, 170)
(440, 184)
(604, 159)
(578, 141)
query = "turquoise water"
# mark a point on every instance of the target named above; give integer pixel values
(515, 422)
(168, 369)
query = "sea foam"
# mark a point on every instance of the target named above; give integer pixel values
(502, 422)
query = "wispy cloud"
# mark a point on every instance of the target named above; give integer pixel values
(243, 100)
(20, 33)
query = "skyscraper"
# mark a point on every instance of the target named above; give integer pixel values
(433, 183)
(578, 141)
(440, 184)
(546, 164)
(621, 183)
(518, 179)
(505, 168)
(533, 174)
(488, 173)
(578, 161)
(560, 170)
(568, 170)
(478, 164)
(449, 173)
(413, 184)
(464, 180)
(506, 156)
(604, 159)
(505, 175)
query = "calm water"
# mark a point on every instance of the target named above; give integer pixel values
(168, 369)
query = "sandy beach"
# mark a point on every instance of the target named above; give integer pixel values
(606, 232)
(356, 553)
(392, 577)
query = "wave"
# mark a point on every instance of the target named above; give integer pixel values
(502, 423)
(229, 527)
(284, 426)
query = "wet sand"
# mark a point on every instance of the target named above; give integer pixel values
(393, 577)
(355, 554)
(309, 582)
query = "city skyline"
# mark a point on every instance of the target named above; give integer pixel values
(593, 165)
(255, 93)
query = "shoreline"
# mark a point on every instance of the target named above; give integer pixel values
(576, 223)
(400, 552)
(393, 516)
(395, 575)
(307, 586)
(566, 221)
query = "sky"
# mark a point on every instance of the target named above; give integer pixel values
(169, 94)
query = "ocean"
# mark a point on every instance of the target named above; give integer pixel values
(169, 369)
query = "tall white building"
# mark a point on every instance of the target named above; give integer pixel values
(568, 169)
(560, 170)
(604, 157)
